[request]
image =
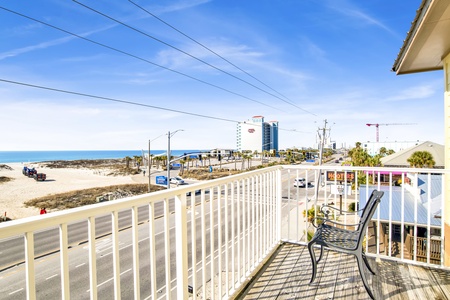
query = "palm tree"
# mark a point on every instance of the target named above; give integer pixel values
(359, 156)
(157, 159)
(243, 157)
(421, 159)
(281, 153)
(182, 161)
(289, 156)
(249, 158)
(127, 160)
(138, 160)
(187, 159)
(265, 153)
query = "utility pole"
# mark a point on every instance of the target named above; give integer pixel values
(321, 132)
(169, 135)
(149, 166)
(322, 140)
(168, 160)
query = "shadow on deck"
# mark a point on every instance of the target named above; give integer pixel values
(286, 276)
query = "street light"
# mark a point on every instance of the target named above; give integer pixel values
(169, 135)
(340, 189)
(150, 161)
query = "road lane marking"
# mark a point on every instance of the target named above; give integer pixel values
(98, 285)
(51, 277)
(80, 265)
(16, 291)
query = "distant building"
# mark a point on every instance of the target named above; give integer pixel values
(257, 135)
(373, 148)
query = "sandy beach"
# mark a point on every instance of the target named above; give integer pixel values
(15, 192)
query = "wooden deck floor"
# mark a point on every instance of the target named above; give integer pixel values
(287, 275)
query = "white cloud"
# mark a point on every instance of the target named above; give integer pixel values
(414, 93)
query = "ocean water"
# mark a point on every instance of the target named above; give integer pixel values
(38, 156)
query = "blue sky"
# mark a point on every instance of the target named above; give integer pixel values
(304, 62)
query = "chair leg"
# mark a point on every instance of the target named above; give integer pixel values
(360, 261)
(313, 261)
(367, 263)
(321, 253)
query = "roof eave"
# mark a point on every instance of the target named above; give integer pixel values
(421, 12)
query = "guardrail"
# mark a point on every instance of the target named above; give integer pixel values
(410, 215)
(207, 240)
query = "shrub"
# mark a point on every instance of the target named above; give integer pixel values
(352, 206)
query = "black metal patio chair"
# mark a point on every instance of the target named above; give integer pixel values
(347, 241)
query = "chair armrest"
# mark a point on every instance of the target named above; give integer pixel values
(335, 208)
(325, 220)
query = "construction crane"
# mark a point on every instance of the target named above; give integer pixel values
(378, 125)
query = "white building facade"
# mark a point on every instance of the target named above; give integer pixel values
(257, 135)
(373, 148)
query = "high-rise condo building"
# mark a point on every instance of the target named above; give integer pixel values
(257, 135)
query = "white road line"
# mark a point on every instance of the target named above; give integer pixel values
(98, 285)
(80, 265)
(51, 277)
(16, 291)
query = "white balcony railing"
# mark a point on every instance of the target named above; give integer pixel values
(208, 239)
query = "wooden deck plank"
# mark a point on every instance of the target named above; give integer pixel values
(287, 275)
(327, 276)
(427, 283)
(298, 282)
(390, 282)
(265, 279)
(281, 274)
(348, 283)
(442, 279)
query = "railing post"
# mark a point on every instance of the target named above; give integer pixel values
(182, 248)
(446, 190)
(278, 203)
(29, 265)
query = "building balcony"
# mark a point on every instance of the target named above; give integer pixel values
(242, 236)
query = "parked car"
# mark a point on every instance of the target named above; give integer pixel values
(197, 192)
(177, 180)
(40, 176)
(299, 182)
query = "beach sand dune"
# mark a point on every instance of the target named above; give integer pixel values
(59, 180)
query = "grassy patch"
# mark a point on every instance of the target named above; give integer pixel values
(4, 179)
(88, 196)
(204, 174)
(115, 166)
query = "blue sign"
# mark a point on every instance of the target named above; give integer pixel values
(176, 165)
(161, 180)
(210, 169)
(310, 160)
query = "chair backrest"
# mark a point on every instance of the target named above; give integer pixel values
(367, 214)
(369, 203)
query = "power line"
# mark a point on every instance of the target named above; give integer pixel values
(139, 58)
(186, 53)
(115, 100)
(125, 102)
(207, 48)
